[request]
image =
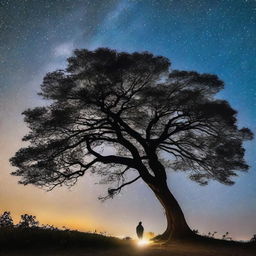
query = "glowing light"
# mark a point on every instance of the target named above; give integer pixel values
(143, 242)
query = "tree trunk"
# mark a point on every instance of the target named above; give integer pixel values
(177, 227)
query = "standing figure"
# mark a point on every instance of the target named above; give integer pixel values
(140, 230)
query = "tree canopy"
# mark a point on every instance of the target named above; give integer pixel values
(149, 115)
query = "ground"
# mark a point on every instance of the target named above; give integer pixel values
(45, 242)
(175, 249)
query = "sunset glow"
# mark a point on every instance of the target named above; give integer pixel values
(143, 242)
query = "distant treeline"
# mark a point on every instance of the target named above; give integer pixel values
(28, 234)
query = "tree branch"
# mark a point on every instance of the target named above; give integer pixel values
(114, 191)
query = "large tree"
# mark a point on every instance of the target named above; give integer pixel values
(151, 118)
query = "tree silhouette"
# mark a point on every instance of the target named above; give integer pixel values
(28, 221)
(118, 115)
(253, 239)
(6, 220)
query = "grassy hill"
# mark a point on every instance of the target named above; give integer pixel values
(43, 242)
(38, 238)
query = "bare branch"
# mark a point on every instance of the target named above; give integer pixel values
(114, 191)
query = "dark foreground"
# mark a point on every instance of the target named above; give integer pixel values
(70, 243)
(172, 250)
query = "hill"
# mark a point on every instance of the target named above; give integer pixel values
(43, 242)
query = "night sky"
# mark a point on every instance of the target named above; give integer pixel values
(213, 36)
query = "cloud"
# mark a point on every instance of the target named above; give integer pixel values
(64, 49)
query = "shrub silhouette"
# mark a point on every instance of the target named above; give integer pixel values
(6, 220)
(253, 239)
(28, 221)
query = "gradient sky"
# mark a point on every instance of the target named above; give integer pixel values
(214, 36)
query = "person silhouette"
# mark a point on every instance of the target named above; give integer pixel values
(140, 230)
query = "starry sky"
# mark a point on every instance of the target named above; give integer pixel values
(36, 36)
